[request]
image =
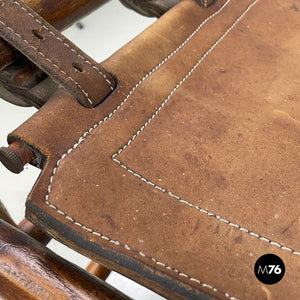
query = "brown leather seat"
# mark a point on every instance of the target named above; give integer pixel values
(189, 171)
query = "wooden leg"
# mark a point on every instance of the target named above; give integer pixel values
(4, 215)
(36, 233)
(44, 238)
(29, 270)
(98, 270)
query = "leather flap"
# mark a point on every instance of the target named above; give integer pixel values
(189, 172)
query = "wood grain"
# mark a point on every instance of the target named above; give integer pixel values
(28, 270)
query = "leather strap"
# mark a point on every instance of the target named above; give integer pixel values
(54, 54)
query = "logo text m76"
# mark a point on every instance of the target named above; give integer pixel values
(269, 269)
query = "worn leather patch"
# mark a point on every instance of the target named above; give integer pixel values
(189, 173)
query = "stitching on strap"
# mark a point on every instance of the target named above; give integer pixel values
(49, 60)
(66, 44)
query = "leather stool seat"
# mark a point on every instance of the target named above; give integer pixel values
(189, 171)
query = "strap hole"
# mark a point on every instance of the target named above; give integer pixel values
(38, 34)
(78, 67)
(1, 3)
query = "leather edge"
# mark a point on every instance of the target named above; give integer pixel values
(129, 267)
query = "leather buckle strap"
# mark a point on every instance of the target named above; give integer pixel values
(54, 53)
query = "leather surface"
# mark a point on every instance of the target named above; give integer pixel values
(54, 54)
(189, 171)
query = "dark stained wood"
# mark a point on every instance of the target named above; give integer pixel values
(62, 13)
(28, 270)
(4, 215)
(8, 54)
(44, 238)
(33, 231)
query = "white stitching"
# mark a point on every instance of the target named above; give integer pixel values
(86, 133)
(183, 79)
(67, 45)
(154, 260)
(210, 214)
(258, 236)
(156, 113)
(84, 136)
